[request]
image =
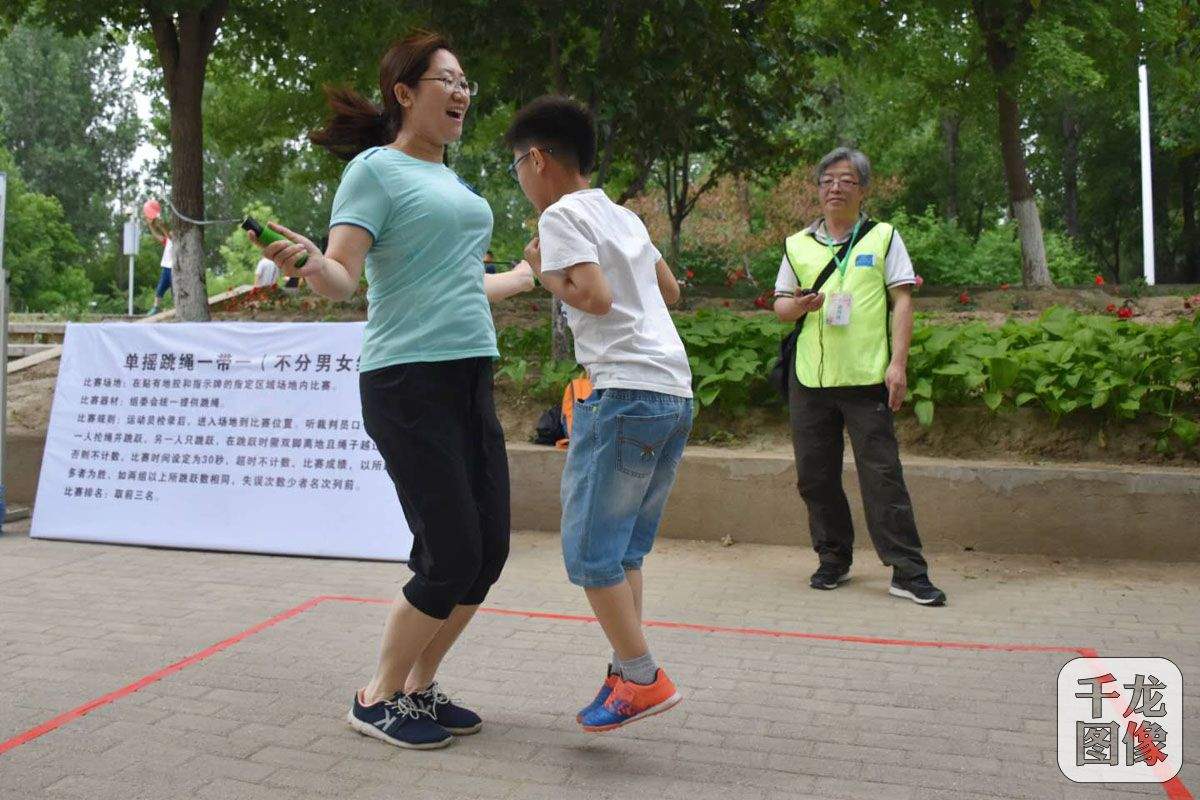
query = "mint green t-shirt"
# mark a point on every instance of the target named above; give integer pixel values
(425, 298)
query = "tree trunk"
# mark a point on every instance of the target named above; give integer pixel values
(1191, 236)
(608, 131)
(951, 123)
(745, 212)
(1117, 253)
(1035, 274)
(1070, 168)
(561, 348)
(183, 43)
(1002, 25)
(1166, 270)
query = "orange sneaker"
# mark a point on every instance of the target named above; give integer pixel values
(630, 702)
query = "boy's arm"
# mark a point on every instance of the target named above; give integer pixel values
(667, 283)
(580, 286)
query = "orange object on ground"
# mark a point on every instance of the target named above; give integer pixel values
(578, 389)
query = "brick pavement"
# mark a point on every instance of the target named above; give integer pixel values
(763, 717)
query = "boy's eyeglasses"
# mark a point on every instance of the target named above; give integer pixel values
(512, 168)
(469, 88)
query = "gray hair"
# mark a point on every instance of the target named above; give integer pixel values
(857, 160)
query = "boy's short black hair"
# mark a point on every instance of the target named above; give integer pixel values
(557, 123)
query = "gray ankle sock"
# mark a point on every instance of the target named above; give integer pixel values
(615, 664)
(642, 669)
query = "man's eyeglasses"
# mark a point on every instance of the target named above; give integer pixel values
(512, 168)
(469, 88)
(828, 181)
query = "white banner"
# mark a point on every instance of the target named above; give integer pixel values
(217, 436)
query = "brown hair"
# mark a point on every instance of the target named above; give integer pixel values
(356, 123)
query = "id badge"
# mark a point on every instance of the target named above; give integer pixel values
(837, 308)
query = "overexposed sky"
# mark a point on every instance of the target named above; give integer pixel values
(130, 59)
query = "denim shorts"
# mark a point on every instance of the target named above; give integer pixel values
(625, 448)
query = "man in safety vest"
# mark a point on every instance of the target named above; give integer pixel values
(849, 373)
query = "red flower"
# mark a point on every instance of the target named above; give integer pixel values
(964, 298)
(760, 302)
(1004, 286)
(1110, 308)
(920, 281)
(1125, 312)
(690, 274)
(1099, 280)
(727, 304)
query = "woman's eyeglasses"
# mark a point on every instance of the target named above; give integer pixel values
(469, 88)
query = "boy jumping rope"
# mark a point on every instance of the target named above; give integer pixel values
(627, 438)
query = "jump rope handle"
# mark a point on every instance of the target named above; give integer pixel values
(266, 236)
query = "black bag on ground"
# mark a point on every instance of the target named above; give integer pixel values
(787, 347)
(549, 427)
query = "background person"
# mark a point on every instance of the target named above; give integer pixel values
(850, 376)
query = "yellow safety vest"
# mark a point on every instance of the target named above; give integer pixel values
(856, 354)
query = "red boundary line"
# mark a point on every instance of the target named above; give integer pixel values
(1174, 788)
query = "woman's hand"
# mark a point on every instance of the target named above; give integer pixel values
(525, 271)
(285, 253)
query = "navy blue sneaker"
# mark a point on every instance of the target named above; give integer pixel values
(453, 718)
(829, 576)
(610, 681)
(398, 721)
(917, 589)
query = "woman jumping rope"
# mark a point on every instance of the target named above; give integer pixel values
(426, 366)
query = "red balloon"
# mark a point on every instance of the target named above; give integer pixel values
(151, 209)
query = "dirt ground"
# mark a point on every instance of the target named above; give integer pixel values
(968, 433)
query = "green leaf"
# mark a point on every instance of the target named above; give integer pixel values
(1023, 398)
(924, 412)
(1187, 431)
(993, 400)
(1003, 372)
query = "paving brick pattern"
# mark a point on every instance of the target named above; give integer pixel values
(762, 718)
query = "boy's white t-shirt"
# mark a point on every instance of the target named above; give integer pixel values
(635, 345)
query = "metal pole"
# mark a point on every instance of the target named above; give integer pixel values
(3, 347)
(131, 260)
(1147, 198)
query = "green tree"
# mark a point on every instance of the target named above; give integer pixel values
(41, 254)
(69, 122)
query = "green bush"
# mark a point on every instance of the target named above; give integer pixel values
(709, 265)
(731, 357)
(1066, 363)
(43, 258)
(1068, 264)
(940, 250)
(944, 255)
